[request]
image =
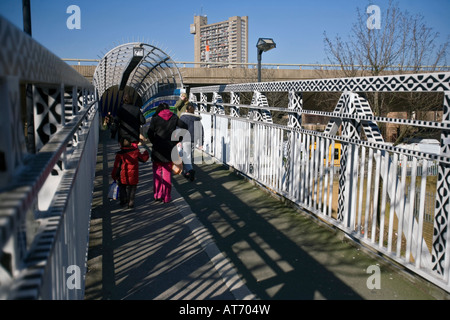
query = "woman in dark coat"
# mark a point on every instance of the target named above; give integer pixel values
(128, 121)
(159, 133)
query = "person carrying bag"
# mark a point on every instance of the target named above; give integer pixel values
(162, 125)
(126, 170)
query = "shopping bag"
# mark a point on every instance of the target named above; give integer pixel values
(177, 162)
(177, 168)
(113, 192)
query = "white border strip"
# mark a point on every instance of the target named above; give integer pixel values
(223, 266)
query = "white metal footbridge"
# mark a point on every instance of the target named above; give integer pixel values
(346, 175)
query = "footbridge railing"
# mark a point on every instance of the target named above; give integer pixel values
(346, 174)
(48, 149)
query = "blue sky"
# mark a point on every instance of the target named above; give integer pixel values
(297, 26)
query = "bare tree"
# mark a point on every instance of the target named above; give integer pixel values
(403, 43)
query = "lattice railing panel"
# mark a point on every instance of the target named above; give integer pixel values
(395, 199)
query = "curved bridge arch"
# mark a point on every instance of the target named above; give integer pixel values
(144, 70)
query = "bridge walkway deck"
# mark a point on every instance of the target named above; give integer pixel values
(222, 237)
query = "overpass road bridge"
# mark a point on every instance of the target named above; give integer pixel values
(240, 73)
(220, 238)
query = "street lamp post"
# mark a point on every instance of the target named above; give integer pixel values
(263, 45)
(26, 12)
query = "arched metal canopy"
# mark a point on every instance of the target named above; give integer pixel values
(143, 67)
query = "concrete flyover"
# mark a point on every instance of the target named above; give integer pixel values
(194, 74)
(208, 76)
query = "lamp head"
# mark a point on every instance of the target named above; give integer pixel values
(138, 52)
(265, 44)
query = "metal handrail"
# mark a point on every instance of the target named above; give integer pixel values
(28, 175)
(282, 158)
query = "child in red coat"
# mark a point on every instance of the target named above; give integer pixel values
(126, 170)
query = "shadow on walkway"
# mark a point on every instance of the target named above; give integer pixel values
(147, 252)
(255, 231)
(280, 253)
(220, 238)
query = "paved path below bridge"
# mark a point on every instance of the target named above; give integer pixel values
(222, 237)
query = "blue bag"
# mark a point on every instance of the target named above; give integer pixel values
(113, 193)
